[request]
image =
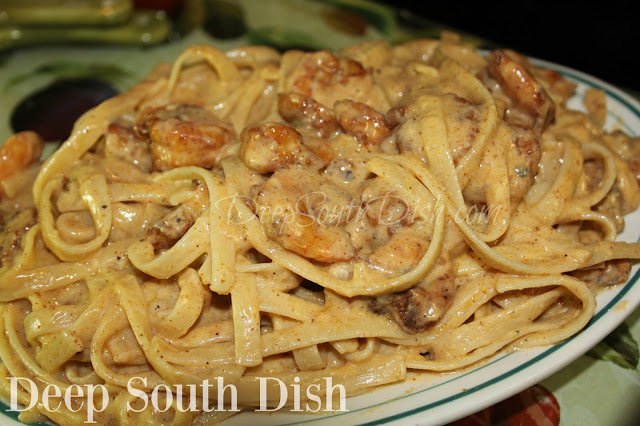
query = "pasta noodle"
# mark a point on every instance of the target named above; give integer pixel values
(303, 216)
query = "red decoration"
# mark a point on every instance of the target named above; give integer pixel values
(535, 406)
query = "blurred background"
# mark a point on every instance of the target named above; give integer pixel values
(115, 43)
(597, 38)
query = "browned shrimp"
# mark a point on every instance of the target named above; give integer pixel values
(183, 135)
(306, 214)
(272, 146)
(360, 120)
(531, 105)
(327, 78)
(390, 240)
(401, 253)
(122, 142)
(18, 152)
(396, 115)
(555, 84)
(304, 112)
(383, 205)
(324, 68)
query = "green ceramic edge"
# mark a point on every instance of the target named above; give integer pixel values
(64, 12)
(144, 28)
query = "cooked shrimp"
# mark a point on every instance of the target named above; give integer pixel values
(556, 85)
(304, 112)
(183, 135)
(392, 74)
(387, 236)
(18, 152)
(531, 104)
(366, 124)
(383, 205)
(272, 146)
(396, 115)
(17, 214)
(328, 78)
(559, 88)
(348, 174)
(306, 213)
(121, 142)
(324, 68)
(371, 54)
(401, 253)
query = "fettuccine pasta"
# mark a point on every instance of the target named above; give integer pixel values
(354, 215)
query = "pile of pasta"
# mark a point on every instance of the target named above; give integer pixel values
(301, 215)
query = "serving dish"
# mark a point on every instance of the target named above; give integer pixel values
(424, 399)
(432, 399)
